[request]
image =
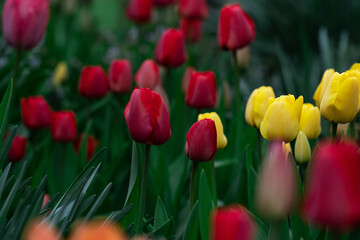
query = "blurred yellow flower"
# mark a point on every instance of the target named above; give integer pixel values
(221, 138)
(341, 99)
(302, 148)
(257, 104)
(60, 73)
(310, 121)
(320, 91)
(282, 118)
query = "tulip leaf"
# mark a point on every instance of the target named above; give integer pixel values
(98, 202)
(160, 214)
(192, 227)
(251, 179)
(299, 229)
(5, 108)
(205, 206)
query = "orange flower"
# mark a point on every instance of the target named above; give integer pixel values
(96, 230)
(38, 230)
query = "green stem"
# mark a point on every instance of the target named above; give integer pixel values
(62, 176)
(167, 83)
(141, 212)
(16, 66)
(259, 145)
(352, 129)
(237, 105)
(333, 129)
(192, 182)
(214, 193)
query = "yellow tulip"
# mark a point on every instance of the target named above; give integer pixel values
(221, 138)
(320, 91)
(302, 148)
(341, 99)
(60, 73)
(282, 118)
(257, 104)
(355, 66)
(310, 121)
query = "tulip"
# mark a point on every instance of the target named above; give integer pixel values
(148, 75)
(320, 91)
(201, 141)
(332, 193)
(45, 200)
(341, 98)
(18, 149)
(60, 73)
(91, 144)
(35, 112)
(302, 148)
(193, 9)
(232, 222)
(243, 57)
(120, 76)
(355, 66)
(282, 118)
(147, 117)
(40, 230)
(221, 138)
(202, 90)
(192, 29)
(235, 29)
(186, 79)
(63, 126)
(310, 121)
(163, 3)
(276, 186)
(257, 104)
(24, 22)
(97, 229)
(170, 50)
(93, 82)
(139, 11)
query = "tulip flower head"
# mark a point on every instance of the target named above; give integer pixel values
(148, 75)
(320, 91)
(46, 200)
(302, 148)
(163, 3)
(202, 90)
(35, 112)
(91, 144)
(232, 222)
(93, 82)
(63, 126)
(201, 141)
(17, 150)
(139, 11)
(193, 9)
(120, 76)
(192, 29)
(37, 229)
(97, 229)
(310, 121)
(221, 138)
(61, 73)
(147, 117)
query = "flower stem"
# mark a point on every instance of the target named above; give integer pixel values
(237, 105)
(259, 145)
(333, 129)
(214, 193)
(62, 176)
(16, 66)
(192, 182)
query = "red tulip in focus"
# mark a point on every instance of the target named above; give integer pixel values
(201, 141)
(186, 79)
(18, 149)
(24, 22)
(35, 112)
(235, 29)
(193, 9)
(139, 10)
(163, 3)
(93, 82)
(63, 126)
(192, 29)
(232, 223)
(170, 50)
(91, 144)
(147, 117)
(120, 76)
(148, 75)
(202, 90)
(332, 194)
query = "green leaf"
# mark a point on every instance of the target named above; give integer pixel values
(205, 206)
(192, 227)
(5, 108)
(98, 202)
(164, 229)
(160, 214)
(3, 179)
(6, 145)
(299, 229)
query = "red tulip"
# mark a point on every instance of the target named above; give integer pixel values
(120, 75)
(332, 195)
(46, 200)
(201, 141)
(163, 3)
(63, 126)
(35, 112)
(93, 82)
(170, 50)
(139, 10)
(148, 75)
(186, 79)
(192, 29)
(193, 9)
(18, 148)
(147, 117)
(202, 90)
(235, 29)
(91, 144)
(24, 22)
(232, 223)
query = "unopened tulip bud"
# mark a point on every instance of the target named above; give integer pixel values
(310, 121)
(221, 138)
(60, 74)
(192, 29)
(139, 11)
(186, 79)
(120, 76)
(97, 229)
(37, 229)
(35, 112)
(18, 149)
(93, 82)
(302, 148)
(148, 75)
(320, 91)
(63, 126)
(91, 144)
(243, 57)
(202, 90)
(193, 9)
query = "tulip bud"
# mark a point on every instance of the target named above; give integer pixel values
(18, 149)
(148, 75)
(139, 11)
(170, 50)
(320, 91)
(282, 118)
(243, 57)
(257, 104)
(163, 3)
(91, 144)
(120, 76)
(201, 141)
(24, 22)
(202, 90)
(276, 187)
(97, 229)
(332, 193)
(232, 222)
(192, 29)
(45, 200)
(310, 121)
(235, 29)
(221, 138)
(40, 230)
(341, 98)
(302, 148)
(35, 112)
(60, 74)
(147, 117)
(63, 126)
(193, 9)
(93, 82)
(186, 79)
